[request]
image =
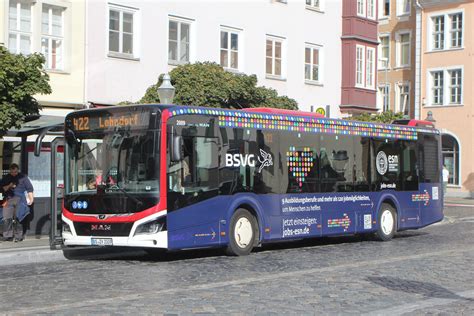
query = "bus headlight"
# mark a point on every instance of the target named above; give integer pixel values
(66, 228)
(151, 227)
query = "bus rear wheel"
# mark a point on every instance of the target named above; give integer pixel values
(243, 233)
(387, 223)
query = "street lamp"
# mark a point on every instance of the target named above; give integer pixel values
(166, 90)
(429, 117)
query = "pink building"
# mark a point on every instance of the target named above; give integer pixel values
(359, 56)
(447, 85)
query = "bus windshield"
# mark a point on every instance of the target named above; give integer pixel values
(113, 161)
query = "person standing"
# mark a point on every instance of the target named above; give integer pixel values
(18, 191)
(445, 179)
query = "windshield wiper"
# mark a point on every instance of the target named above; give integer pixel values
(114, 186)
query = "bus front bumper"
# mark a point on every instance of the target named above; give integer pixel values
(134, 239)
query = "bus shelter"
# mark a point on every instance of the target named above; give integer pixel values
(37, 148)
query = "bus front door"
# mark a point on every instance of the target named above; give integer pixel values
(57, 191)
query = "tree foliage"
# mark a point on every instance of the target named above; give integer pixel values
(382, 117)
(208, 84)
(21, 77)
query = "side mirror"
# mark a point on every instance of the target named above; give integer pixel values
(177, 149)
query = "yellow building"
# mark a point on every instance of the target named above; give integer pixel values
(447, 84)
(55, 28)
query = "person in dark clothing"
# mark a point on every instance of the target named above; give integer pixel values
(14, 186)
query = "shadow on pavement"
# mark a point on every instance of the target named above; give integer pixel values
(426, 289)
(156, 255)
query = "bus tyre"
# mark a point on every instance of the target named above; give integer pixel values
(243, 233)
(387, 226)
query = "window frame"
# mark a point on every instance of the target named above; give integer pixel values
(401, 6)
(383, 96)
(361, 4)
(360, 62)
(400, 87)
(382, 66)
(319, 48)
(229, 50)
(381, 7)
(456, 30)
(399, 48)
(458, 85)
(370, 68)
(445, 89)
(50, 37)
(274, 40)
(373, 5)
(135, 31)
(313, 5)
(180, 21)
(18, 32)
(447, 33)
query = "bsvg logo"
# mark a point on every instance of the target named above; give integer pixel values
(244, 160)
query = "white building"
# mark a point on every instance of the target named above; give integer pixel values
(293, 46)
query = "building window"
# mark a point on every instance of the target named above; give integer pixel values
(229, 49)
(370, 70)
(178, 42)
(403, 102)
(360, 61)
(313, 4)
(273, 54)
(403, 51)
(311, 63)
(384, 98)
(455, 87)
(361, 8)
(451, 157)
(438, 32)
(52, 38)
(121, 31)
(19, 27)
(371, 9)
(403, 7)
(384, 61)
(384, 9)
(437, 87)
(456, 30)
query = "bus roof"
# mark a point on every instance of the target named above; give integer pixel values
(288, 120)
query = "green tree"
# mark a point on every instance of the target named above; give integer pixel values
(208, 84)
(383, 117)
(21, 77)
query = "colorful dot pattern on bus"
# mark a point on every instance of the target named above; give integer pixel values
(242, 119)
(421, 197)
(300, 163)
(344, 222)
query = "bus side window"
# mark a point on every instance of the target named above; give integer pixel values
(409, 167)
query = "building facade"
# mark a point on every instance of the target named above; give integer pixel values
(55, 28)
(286, 44)
(359, 56)
(396, 62)
(447, 84)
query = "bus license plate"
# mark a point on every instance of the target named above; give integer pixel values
(101, 242)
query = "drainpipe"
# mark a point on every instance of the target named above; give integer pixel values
(418, 52)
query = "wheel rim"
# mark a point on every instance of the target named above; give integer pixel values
(243, 232)
(386, 222)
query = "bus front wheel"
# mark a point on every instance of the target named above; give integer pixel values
(242, 234)
(387, 225)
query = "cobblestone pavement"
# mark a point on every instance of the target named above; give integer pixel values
(429, 271)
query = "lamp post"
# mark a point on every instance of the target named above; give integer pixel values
(429, 117)
(166, 90)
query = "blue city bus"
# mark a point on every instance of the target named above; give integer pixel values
(179, 177)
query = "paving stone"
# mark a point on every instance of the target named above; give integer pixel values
(428, 267)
